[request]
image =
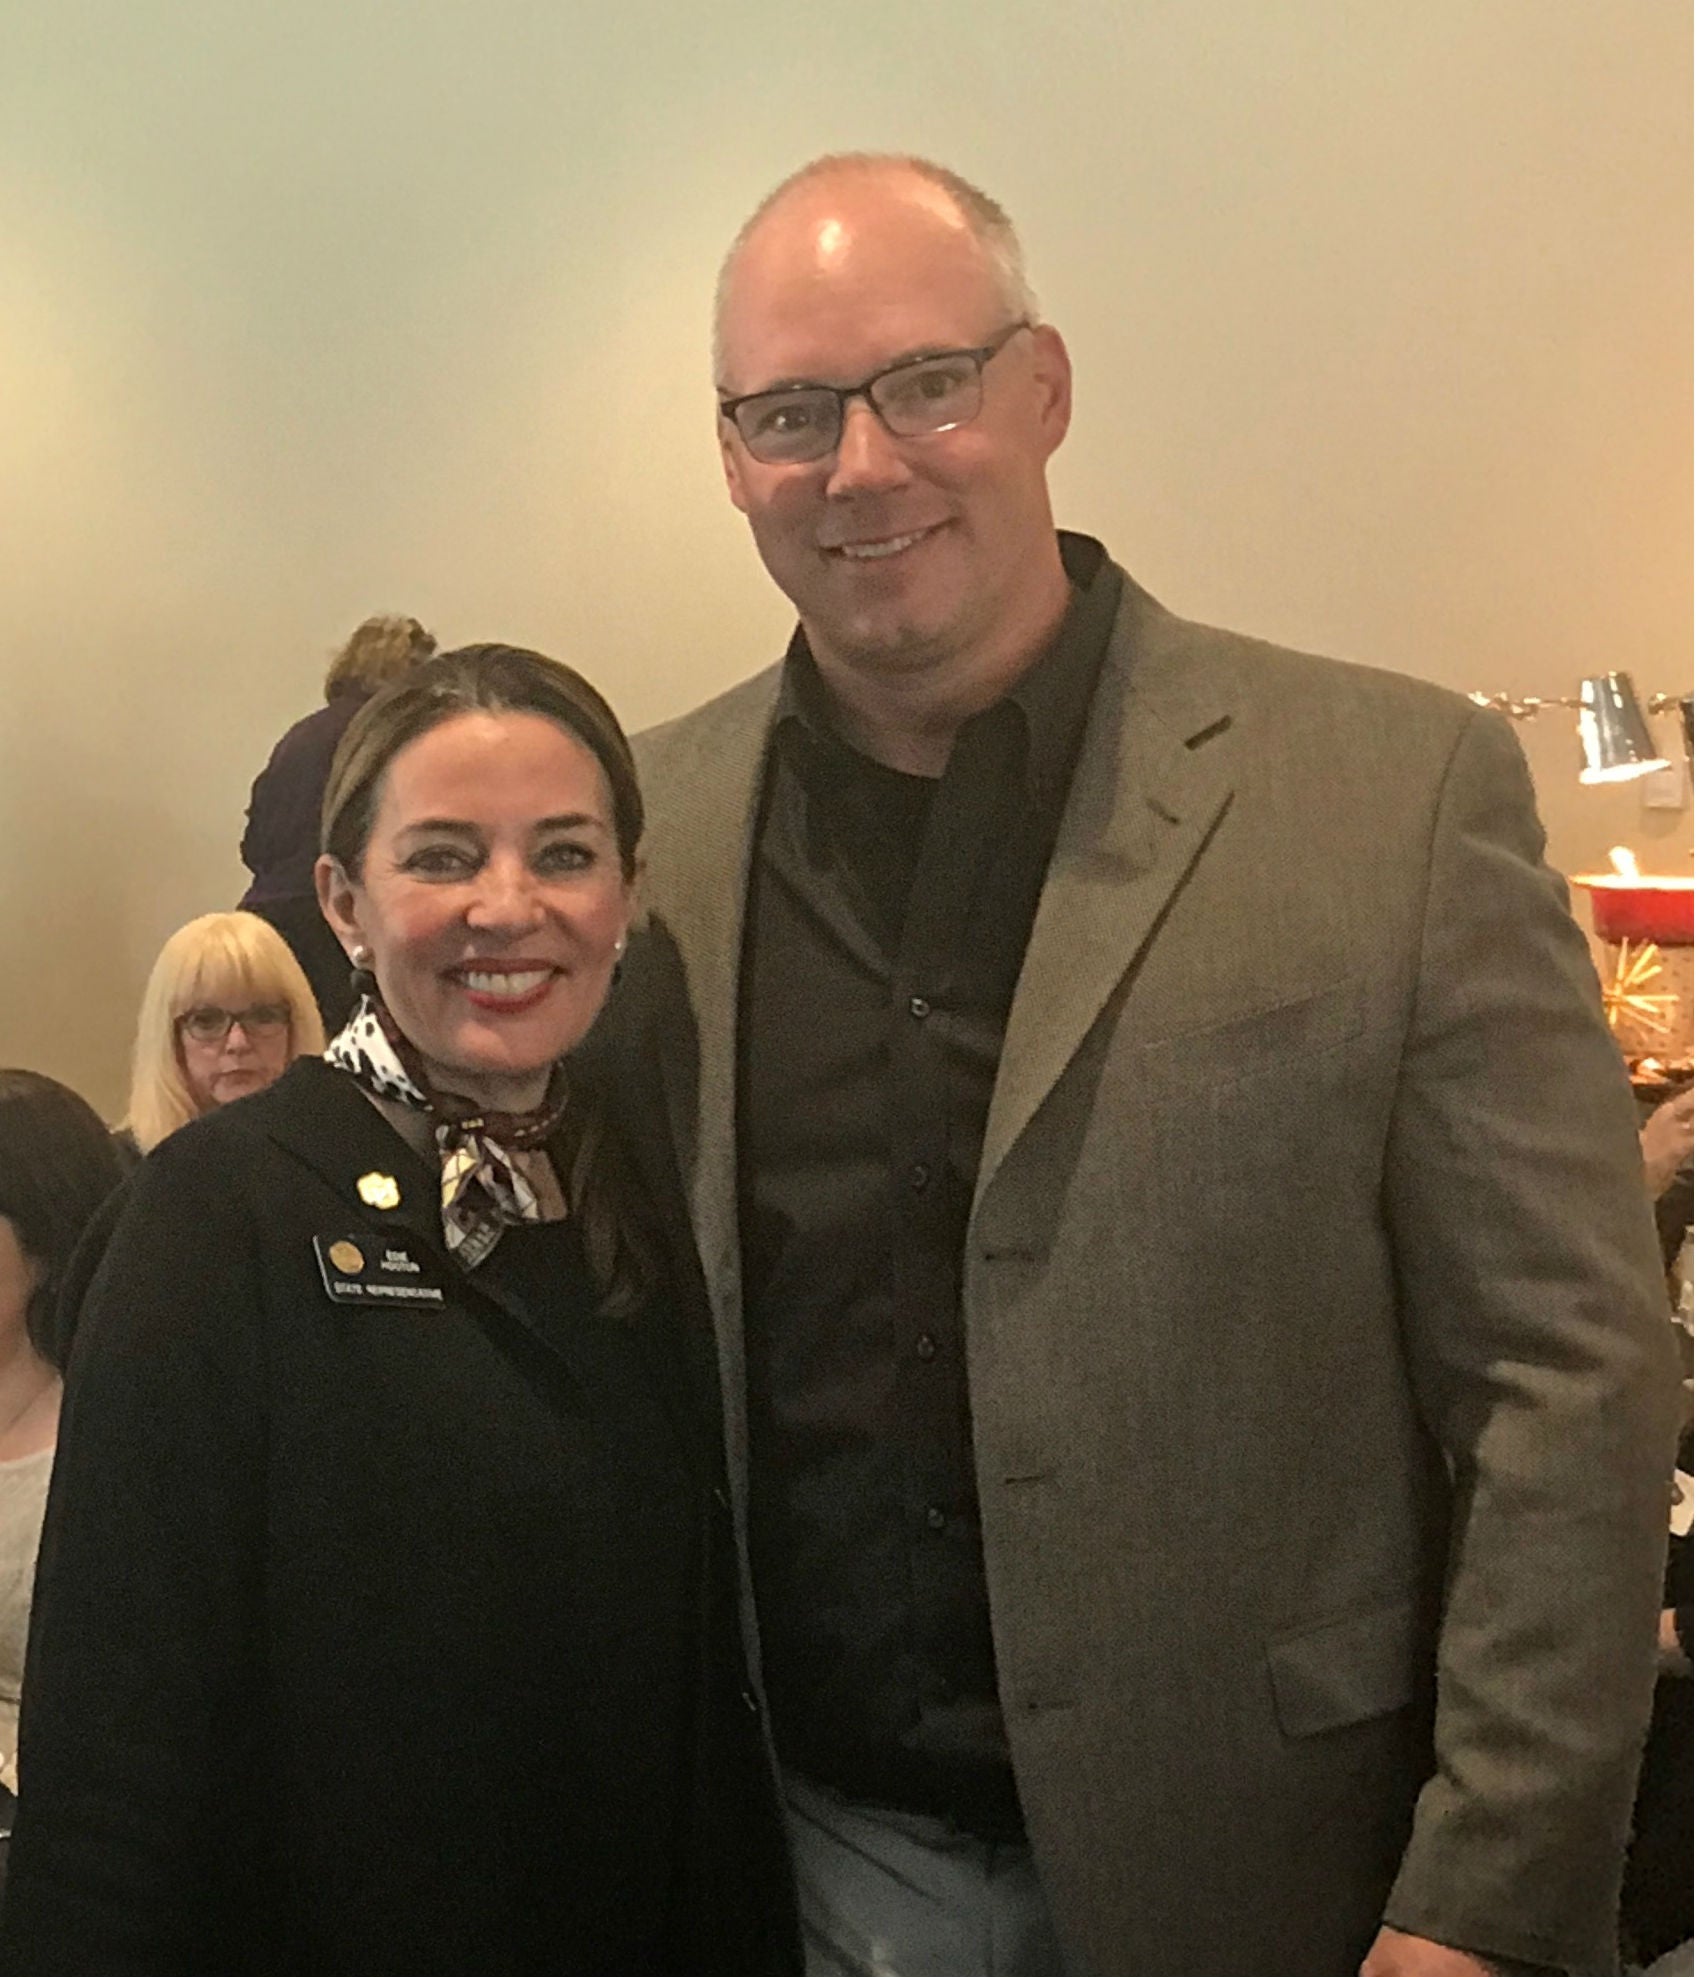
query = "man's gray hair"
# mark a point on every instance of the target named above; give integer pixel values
(985, 219)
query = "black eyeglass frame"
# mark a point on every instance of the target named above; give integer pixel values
(842, 393)
(275, 1018)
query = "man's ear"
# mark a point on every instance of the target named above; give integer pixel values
(337, 901)
(731, 461)
(1052, 371)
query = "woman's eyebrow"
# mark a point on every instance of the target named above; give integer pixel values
(456, 825)
(575, 820)
(570, 820)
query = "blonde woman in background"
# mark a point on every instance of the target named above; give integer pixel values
(227, 1009)
(280, 844)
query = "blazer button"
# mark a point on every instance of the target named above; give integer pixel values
(926, 1348)
(935, 1519)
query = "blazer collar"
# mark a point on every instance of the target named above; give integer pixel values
(320, 1117)
(1153, 779)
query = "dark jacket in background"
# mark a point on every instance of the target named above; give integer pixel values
(280, 847)
(280, 844)
(328, 1644)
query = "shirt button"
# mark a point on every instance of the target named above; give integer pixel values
(927, 1347)
(918, 1008)
(919, 1177)
(934, 1519)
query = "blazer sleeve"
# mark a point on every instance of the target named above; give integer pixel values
(1536, 1330)
(137, 1734)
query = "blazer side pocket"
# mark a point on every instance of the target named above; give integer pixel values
(1347, 1670)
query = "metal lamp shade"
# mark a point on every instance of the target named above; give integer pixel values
(1614, 737)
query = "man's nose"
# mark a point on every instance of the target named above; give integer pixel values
(869, 458)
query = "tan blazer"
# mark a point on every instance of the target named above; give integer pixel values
(1322, 1386)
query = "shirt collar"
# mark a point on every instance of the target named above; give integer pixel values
(1052, 695)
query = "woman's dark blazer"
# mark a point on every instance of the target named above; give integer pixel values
(259, 1734)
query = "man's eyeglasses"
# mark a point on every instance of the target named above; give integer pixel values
(212, 1025)
(802, 422)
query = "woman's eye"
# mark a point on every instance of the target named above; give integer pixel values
(564, 856)
(439, 861)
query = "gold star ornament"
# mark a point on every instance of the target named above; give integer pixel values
(1640, 1014)
(379, 1190)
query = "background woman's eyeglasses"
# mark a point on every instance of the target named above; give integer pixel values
(803, 422)
(212, 1025)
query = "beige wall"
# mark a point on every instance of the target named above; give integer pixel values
(1381, 317)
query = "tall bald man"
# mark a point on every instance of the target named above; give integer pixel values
(1197, 1395)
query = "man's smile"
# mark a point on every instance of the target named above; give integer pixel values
(877, 549)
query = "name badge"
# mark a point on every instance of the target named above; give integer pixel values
(367, 1269)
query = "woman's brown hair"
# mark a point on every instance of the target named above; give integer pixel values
(507, 679)
(379, 651)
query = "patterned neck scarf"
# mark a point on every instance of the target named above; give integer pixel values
(483, 1192)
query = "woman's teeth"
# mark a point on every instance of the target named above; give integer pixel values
(504, 984)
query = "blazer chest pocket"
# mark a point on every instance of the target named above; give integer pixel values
(1263, 1039)
(1346, 1670)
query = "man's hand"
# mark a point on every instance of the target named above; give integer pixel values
(1666, 1141)
(1395, 1955)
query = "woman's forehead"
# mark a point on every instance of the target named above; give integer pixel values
(485, 763)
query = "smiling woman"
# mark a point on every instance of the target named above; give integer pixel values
(491, 896)
(480, 832)
(393, 1436)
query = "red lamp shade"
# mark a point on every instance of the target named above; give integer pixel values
(1639, 908)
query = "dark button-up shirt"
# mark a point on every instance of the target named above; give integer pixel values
(888, 917)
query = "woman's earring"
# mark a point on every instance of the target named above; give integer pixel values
(618, 961)
(360, 978)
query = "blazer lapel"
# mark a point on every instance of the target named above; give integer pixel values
(702, 840)
(1153, 780)
(322, 1118)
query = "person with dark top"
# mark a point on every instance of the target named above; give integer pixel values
(875, 1619)
(58, 1166)
(280, 843)
(1167, 1196)
(386, 1621)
